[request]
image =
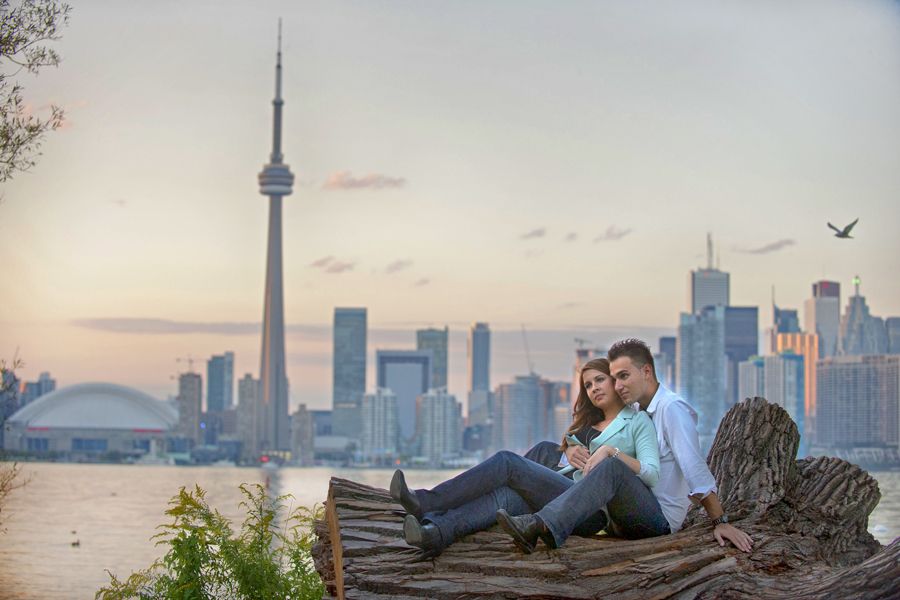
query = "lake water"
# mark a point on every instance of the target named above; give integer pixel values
(113, 510)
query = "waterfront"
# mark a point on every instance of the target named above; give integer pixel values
(113, 510)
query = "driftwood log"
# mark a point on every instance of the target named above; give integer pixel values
(808, 519)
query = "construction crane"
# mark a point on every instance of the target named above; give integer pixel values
(527, 352)
(188, 359)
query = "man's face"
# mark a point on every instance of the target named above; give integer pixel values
(632, 382)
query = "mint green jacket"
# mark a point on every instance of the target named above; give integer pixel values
(633, 433)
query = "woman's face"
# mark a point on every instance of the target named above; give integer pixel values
(600, 389)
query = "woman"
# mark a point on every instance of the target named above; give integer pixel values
(621, 461)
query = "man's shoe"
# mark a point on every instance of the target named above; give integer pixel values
(525, 530)
(427, 536)
(404, 496)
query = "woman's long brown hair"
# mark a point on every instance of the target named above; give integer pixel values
(585, 412)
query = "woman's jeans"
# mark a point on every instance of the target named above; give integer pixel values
(469, 502)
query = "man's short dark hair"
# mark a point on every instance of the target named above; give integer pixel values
(637, 350)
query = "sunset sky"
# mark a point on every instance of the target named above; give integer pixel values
(556, 165)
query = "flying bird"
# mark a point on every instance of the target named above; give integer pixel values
(845, 232)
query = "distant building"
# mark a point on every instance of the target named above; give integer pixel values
(322, 422)
(381, 429)
(784, 320)
(741, 342)
(435, 340)
(479, 350)
(892, 324)
(302, 437)
(247, 413)
(440, 422)
(190, 400)
(32, 390)
(665, 360)
(752, 378)
(822, 316)
(517, 417)
(861, 333)
(220, 382)
(553, 395)
(407, 373)
(90, 420)
(702, 368)
(807, 346)
(709, 286)
(349, 370)
(9, 398)
(859, 402)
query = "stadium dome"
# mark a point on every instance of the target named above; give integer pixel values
(97, 406)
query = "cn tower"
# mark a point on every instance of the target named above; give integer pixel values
(275, 181)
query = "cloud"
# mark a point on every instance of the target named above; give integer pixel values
(339, 267)
(344, 180)
(766, 249)
(332, 265)
(422, 282)
(322, 262)
(120, 202)
(148, 326)
(534, 234)
(612, 234)
(568, 305)
(398, 265)
(571, 236)
(533, 253)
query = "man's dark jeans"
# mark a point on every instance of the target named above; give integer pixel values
(469, 502)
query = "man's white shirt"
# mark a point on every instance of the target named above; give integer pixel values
(683, 471)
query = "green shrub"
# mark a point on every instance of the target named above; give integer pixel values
(206, 560)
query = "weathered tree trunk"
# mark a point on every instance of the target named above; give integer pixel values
(808, 520)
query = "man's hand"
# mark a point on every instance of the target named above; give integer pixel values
(577, 455)
(599, 455)
(726, 531)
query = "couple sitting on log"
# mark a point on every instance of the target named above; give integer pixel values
(637, 471)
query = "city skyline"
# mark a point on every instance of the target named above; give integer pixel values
(438, 203)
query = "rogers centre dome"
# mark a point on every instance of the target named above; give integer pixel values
(91, 418)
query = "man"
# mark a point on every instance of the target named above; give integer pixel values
(684, 476)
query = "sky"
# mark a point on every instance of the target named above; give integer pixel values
(556, 166)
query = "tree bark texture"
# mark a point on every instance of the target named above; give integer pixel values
(808, 519)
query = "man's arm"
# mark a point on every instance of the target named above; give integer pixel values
(681, 433)
(725, 531)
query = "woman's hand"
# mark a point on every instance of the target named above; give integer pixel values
(577, 455)
(599, 455)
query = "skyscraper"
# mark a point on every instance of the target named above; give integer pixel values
(275, 181)
(32, 390)
(349, 370)
(440, 418)
(436, 341)
(859, 398)
(479, 357)
(892, 324)
(665, 360)
(248, 412)
(741, 342)
(701, 366)
(220, 382)
(807, 346)
(481, 402)
(517, 419)
(407, 373)
(822, 315)
(709, 286)
(861, 333)
(190, 398)
(380, 435)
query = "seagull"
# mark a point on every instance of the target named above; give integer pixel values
(845, 232)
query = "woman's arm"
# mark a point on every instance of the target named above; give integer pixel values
(646, 463)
